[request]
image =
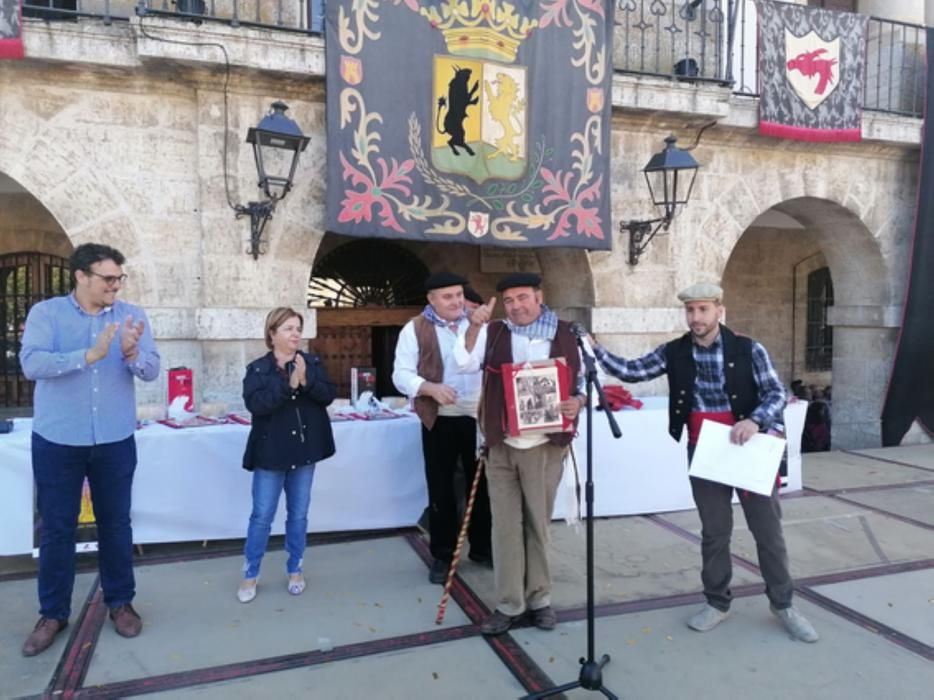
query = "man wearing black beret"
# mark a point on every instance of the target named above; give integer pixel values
(523, 472)
(446, 402)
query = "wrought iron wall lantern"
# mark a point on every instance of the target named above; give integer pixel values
(669, 175)
(274, 137)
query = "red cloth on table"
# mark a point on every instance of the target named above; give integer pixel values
(617, 397)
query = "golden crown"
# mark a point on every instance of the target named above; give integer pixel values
(480, 28)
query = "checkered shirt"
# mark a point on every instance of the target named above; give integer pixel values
(709, 390)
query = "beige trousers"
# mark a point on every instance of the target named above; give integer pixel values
(522, 486)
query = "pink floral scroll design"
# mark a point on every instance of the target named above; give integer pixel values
(587, 16)
(567, 196)
(357, 205)
(572, 205)
(385, 187)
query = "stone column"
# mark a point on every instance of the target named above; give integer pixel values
(864, 339)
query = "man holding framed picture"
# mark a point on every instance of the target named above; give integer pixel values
(523, 466)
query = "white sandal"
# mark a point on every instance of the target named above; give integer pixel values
(246, 592)
(296, 586)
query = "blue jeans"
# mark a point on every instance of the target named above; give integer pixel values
(59, 471)
(267, 486)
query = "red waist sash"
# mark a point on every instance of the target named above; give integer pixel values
(695, 418)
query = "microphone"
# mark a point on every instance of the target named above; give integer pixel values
(578, 330)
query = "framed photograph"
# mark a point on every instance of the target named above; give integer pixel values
(534, 392)
(361, 379)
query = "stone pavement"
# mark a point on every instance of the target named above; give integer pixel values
(860, 537)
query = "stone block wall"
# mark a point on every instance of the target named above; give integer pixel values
(134, 154)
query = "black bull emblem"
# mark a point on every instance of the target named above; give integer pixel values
(458, 100)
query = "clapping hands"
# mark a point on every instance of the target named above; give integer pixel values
(299, 375)
(130, 334)
(101, 347)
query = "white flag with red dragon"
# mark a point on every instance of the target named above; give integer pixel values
(811, 72)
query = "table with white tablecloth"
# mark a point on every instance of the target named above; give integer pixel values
(189, 484)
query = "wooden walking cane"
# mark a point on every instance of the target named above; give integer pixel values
(462, 535)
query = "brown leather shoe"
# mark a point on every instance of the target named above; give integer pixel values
(499, 622)
(544, 618)
(126, 620)
(43, 635)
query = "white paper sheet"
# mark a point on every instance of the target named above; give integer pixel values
(752, 466)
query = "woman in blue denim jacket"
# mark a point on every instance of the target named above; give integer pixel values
(286, 391)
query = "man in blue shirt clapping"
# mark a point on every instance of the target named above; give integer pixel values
(83, 351)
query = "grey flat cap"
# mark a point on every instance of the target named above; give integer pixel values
(703, 291)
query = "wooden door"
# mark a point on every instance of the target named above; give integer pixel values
(341, 348)
(359, 337)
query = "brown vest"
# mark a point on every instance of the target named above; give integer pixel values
(430, 367)
(499, 352)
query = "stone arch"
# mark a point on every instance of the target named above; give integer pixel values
(343, 333)
(853, 253)
(65, 173)
(832, 221)
(27, 224)
(567, 272)
(34, 253)
(863, 318)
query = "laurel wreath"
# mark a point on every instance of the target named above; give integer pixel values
(511, 191)
(430, 175)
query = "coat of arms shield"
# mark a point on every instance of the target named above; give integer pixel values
(811, 66)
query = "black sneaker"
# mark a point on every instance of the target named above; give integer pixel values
(439, 571)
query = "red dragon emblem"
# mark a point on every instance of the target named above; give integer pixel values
(810, 64)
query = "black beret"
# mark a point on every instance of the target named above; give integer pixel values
(471, 294)
(519, 279)
(443, 279)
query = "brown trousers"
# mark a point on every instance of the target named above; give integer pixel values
(522, 485)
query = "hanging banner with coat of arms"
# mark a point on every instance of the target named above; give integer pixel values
(472, 121)
(812, 65)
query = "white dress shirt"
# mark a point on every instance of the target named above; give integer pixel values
(465, 382)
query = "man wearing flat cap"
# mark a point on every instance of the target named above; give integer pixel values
(714, 374)
(523, 472)
(446, 402)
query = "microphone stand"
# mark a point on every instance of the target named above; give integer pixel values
(591, 675)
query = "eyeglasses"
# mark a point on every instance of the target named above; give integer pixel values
(109, 280)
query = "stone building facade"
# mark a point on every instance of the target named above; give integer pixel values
(111, 133)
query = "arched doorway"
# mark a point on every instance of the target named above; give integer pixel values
(807, 278)
(364, 291)
(34, 254)
(768, 282)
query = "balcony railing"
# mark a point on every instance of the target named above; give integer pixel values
(686, 40)
(895, 67)
(306, 16)
(680, 39)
